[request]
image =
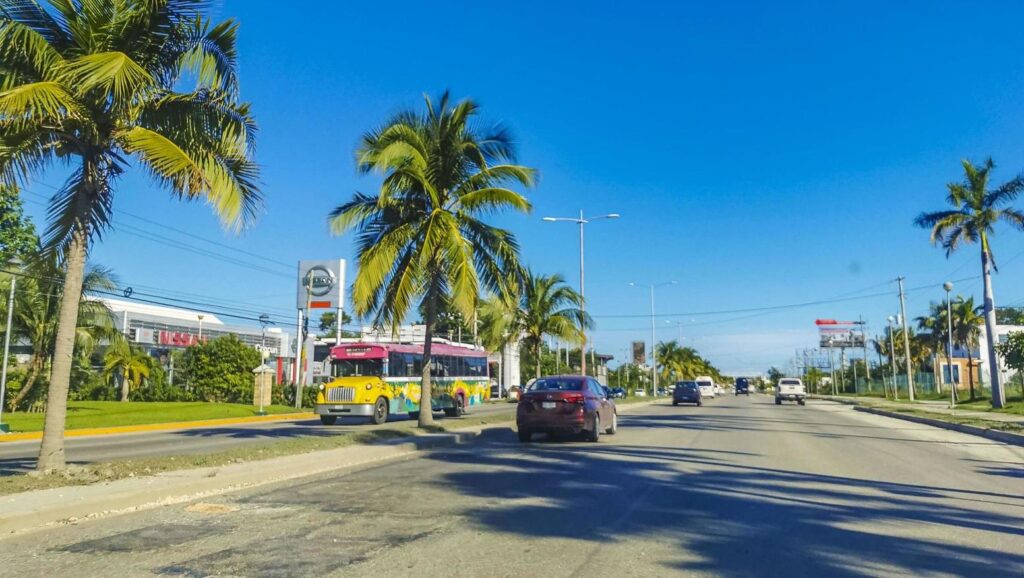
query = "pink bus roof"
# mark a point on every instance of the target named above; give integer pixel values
(380, 350)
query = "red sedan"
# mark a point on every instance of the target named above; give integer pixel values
(568, 404)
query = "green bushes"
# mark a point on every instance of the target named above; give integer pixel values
(220, 370)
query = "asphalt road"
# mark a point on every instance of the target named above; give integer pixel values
(739, 487)
(21, 456)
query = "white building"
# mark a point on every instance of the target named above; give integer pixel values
(1002, 333)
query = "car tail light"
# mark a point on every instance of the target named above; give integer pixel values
(573, 398)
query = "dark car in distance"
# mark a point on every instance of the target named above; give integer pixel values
(742, 386)
(566, 404)
(617, 393)
(686, 392)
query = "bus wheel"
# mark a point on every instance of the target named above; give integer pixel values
(328, 419)
(380, 411)
(414, 415)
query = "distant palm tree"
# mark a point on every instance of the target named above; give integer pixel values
(670, 359)
(96, 85)
(934, 331)
(967, 320)
(421, 236)
(126, 363)
(36, 308)
(975, 212)
(545, 307)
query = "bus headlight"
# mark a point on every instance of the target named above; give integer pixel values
(369, 386)
(322, 387)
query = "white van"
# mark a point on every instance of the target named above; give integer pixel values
(707, 386)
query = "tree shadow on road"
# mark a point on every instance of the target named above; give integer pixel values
(738, 520)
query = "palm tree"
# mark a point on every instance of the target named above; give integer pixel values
(126, 363)
(550, 308)
(98, 84)
(36, 308)
(671, 357)
(421, 236)
(934, 332)
(975, 212)
(967, 320)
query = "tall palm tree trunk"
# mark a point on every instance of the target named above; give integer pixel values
(537, 349)
(998, 398)
(124, 385)
(426, 417)
(35, 367)
(51, 450)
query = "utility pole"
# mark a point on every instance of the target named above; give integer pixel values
(892, 359)
(864, 336)
(906, 340)
(832, 369)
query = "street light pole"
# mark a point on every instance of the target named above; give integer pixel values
(949, 345)
(7, 344)
(654, 339)
(583, 303)
(264, 321)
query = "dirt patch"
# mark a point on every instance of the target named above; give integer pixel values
(207, 508)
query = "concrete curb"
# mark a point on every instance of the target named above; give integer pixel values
(995, 435)
(147, 427)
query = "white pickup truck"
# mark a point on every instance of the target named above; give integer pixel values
(790, 389)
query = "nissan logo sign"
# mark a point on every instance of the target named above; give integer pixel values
(319, 280)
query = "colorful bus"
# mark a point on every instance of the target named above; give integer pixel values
(378, 380)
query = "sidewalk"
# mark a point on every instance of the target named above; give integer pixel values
(931, 406)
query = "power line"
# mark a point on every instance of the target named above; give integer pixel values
(179, 231)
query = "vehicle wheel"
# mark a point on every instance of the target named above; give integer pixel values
(525, 435)
(414, 415)
(615, 425)
(778, 401)
(459, 408)
(595, 433)
(802, 402)
(700, 403)
(380, 411)
(674, 404)
(328, 419)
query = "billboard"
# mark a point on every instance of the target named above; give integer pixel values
(321, 285)
(840, 337)
(639, 352)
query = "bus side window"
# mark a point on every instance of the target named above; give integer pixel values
(417, 363)
(396, 365)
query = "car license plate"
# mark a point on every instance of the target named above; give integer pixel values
(548, 405)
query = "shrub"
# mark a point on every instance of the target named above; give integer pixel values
(220, 370)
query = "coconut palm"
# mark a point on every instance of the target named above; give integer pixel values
(671, 359)
(967, 320)
(36, 308)
(422, 237)
(975, 211)
(934, 332)
(126, 363)
(102, 84)
(544, 307)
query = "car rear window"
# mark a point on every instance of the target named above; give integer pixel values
(687, 385)
(790, 382)
(557, 385)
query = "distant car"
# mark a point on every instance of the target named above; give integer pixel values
(686, 392)
(662, 392)
(514, 392)
(742, 386)
(790, 389)
(707, 387)
(640, 393)
(719, 390)
(618, 393)
(566, 404)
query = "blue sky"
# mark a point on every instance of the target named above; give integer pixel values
(760, 153)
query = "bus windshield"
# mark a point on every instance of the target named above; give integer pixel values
(357, 367)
